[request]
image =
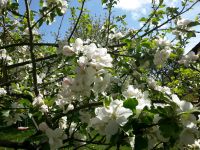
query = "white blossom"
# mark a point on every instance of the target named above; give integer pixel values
(38, 101)
(44, 108)
(62, 4)
(183, 22)
(78, 44)
(154, 137)
(13, 118)
(3, 4)
(187, 136)
(5, 56)
(142, 97)
(195, 145)
(56, 136)
(16, 105)
(108, 120)
(63, 122)
(69, 107)
(84, 116)
(161, 57)
(34, 31)
(2, 91)
(43, 126)
(183, 105)
(132, 141)
(153, 84)
(132, 92)
(189, 58)
(162, 42)
(68, 50)
(117, 35)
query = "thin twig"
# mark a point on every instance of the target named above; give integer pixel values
(61, 22)
(34, 73)
(75, 26)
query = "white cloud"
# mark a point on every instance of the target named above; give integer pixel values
(132, 4)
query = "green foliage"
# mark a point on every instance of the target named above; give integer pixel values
(130, 103)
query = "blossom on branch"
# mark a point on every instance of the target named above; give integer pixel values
(109, 119)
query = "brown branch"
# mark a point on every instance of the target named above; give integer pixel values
(16, 145)
(61, 22)
(15, 12)
(28, 62)
(75, 26)
(43, 17)
(148, 20)
(109, 20)
(27, 44)
(180, 13)
(90, 105)
(34, 73)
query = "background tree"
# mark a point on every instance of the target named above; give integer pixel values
(103, 84)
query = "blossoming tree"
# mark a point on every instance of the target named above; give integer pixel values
(102, 86)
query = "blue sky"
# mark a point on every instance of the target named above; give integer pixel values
(134, 9)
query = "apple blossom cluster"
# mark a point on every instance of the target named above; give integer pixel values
(77, 88)
(34, 31)
(142, 97)
(117, 35)
(61, 4)
(162, 53)
(3, 4)
(161, 42)
(63, 124)
(39, 102)
(182, 23)
(189, 58)
(153, 84)
(5, 56)
(2, 91)
(161, 57)
(109, 119)
(113, 34)
(182, 27)
(195, 145)
(182, 105)
(189, 132)
(91, 75)
(14, 115)
(93, 56)
(55, 137)
(188, 120)
(154, 137)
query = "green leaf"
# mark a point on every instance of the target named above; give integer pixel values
(169, 128)
(191, 34)
(146, 117)
(141, 143)
(6, 113)
(143, 19)
(161, 2)
(146, 44)
(104, 1)
(160, 12)
(155, 21)
(130, 103)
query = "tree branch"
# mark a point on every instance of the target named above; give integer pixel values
(16, 145)
(76, 22)
(34, 73)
